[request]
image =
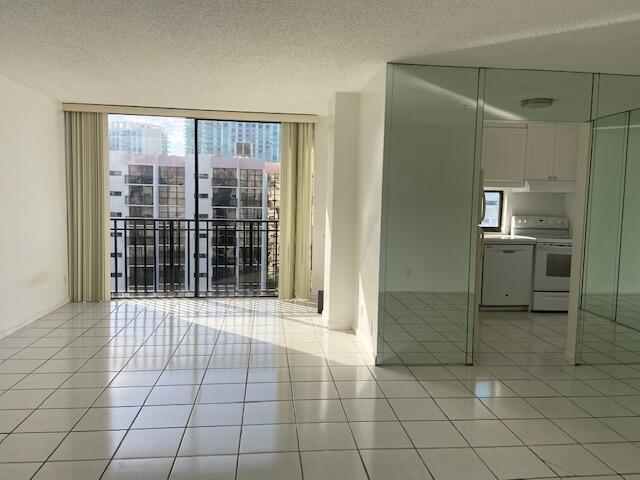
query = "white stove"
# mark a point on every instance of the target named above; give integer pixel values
(552, 259)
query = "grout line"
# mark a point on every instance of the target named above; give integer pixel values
(540, 373)
(195, 399)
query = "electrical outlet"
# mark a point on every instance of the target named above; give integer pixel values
(409, 272)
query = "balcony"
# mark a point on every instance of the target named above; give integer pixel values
(156, 257)
(139, 199)
(139, 179)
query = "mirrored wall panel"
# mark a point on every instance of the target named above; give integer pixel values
(429, 195)
(628, 299)
(535, 138)
(603, 221)
(610, 301)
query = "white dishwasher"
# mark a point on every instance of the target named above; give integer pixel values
(506, 275)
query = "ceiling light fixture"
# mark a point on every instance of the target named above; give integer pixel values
(538, 102)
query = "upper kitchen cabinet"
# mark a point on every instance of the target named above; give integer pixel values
(567, 150)
(552, 151)
(503, 155)
(541, 141)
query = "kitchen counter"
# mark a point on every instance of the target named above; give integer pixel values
(500, 239)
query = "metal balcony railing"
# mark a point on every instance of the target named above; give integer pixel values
(180, 257)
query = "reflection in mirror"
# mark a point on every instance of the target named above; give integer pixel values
(607, 167)
(628, 299)
(536, 139)
(610, 302)
(427, 230)
(507, 92)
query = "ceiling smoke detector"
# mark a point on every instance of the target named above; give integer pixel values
(539, 102)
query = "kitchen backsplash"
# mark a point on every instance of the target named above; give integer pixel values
(537, 203)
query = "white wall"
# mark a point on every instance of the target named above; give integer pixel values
(340, 293)
(535, 203)
(319, 205)
(369, 209)
(354, 134)
(33, 244)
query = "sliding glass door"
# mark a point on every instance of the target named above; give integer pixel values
(194, 206)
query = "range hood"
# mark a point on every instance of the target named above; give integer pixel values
(552, 186)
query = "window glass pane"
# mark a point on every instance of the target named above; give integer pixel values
(493, 209)
(153, 183)
(150, 153)
(243, 161)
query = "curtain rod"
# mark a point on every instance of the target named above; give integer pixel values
(189, 113)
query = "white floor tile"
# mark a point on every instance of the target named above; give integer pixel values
(513, 463)
(18, 471)
(324, 411)
(75, 470)
(210, 441)
(368, 410)
(394, 465)
(455, 464)
(140, 469)
(588, 430)
(464, 408)
(538, 432)
(620, 457)
(216, 414)
(571, 460)
(29, 447)
(268, 438)
(269, 466)
(486, 433)
(434, 434)
(333, 464)
(325, 436)
(220, 467)
(149, 443)
(89, 445)
(371, 435)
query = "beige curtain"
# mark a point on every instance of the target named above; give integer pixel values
(297, 156)
(88, 206)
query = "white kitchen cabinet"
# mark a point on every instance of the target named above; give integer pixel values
(567, 150)
(552, 151)
(541, 141)
(503, 156)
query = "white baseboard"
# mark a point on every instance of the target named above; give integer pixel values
(570, 357)
(366, 341)
(340, 325)
(35, 316)
(333, 324)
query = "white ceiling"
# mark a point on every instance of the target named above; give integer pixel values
(292, 55)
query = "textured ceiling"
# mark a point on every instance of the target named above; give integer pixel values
(291, 55)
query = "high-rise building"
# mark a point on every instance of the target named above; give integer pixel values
(236, 139)
(137, 137)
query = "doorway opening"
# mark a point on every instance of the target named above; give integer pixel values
(194, 207)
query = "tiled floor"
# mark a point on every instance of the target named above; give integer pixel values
(606, 341)
(521, 338)
(258, 389)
